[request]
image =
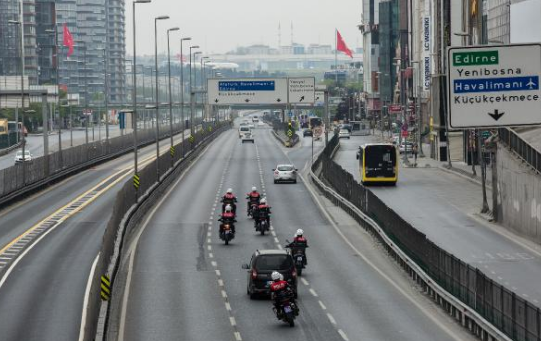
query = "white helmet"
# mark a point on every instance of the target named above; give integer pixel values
(263, 201)
(228, 208)
(254, 189)
(229, 190)
(299, 232)
(276, 276)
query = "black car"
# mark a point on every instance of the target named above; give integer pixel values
(307, 132)
(261, 266)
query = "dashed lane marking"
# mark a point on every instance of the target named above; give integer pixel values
(343, 335)
(304, 281)
(233, 321)
(322, 305)
(333, 321)
(313, 292)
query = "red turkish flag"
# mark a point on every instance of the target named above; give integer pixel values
(341, 45)
(68, 40)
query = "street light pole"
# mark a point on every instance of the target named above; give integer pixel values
(21, 39)
(202, 95)
(170, 94)
(182, 92)
(163, 17)
(190, 87)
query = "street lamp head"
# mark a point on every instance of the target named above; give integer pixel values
(14, 22)
(197, 52)
(187, 38)
(173, 29)
(194, 46)
(462, 34)
(141, 1)
(30, 111)
(162, 17)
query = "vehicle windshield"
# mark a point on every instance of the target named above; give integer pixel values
(380, 160)
(285, 168)
(273, 262)
(244, 129)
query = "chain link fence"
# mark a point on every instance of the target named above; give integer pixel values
(507, 311)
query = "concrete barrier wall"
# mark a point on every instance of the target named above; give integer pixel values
(519, 195)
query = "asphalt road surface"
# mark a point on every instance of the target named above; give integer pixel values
(42, 293)
(444, 207)
(183, 283)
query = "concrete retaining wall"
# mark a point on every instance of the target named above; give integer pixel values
(519, 195)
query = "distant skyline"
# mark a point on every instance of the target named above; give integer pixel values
(220, 26)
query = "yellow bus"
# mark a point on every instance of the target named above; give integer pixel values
(378, 163)
(3, 126)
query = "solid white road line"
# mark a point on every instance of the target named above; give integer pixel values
(85, 300)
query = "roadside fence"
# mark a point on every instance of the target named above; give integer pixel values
(521, 148)
(515, 317)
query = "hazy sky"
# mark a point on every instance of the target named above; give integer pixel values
(222, 25)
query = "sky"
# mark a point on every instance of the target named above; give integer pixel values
(219, 26)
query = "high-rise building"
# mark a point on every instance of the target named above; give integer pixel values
(10, 52)
(45, 38)
(116, 44)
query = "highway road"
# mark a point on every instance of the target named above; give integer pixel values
(183, 283)
(444, 207)
(42, 294)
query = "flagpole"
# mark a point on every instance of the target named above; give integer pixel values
(336, 55)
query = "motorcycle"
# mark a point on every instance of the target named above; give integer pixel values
(227, 231)
(287, 309)
(231, 202)
(299, 256)
(262, 225)
(252, 207)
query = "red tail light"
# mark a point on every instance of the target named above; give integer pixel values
(254, 274)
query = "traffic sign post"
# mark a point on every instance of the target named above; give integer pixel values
(301, 90)
(247, 91)
(494, 86)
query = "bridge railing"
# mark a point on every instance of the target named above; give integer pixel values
(521, 148)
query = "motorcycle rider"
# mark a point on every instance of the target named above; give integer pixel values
(229, 199)
(281, 289)
(263, 212)
(253, 197)
(227, 217)
(299, 243)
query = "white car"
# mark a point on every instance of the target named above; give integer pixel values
(344, 133)
(405, 146)
(285, 172)
(247, 137)
(19, 156)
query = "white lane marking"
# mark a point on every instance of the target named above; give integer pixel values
(237, 336)
(218, 273)
(209, 234)
(221, 282)
(333, 321)
(85, 300)
(214, 264)
(232, 321)
(224, 294)
(209, 240)
(305, 282)
(343, 335)
(279, 247)
(322, 305)
(276, 240)
(227, 306)
(312, 291)
(211, 255)
(373, 266)
(273, 233)
(209, 247)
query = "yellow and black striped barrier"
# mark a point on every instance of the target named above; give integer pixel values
(136, 181)
(172, 151)
(105, 288)
(191, 139)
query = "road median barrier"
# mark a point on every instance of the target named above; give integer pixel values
(487, 309)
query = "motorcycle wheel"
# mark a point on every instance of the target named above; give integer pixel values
(262, 231)
(226, 241)
(291, 320)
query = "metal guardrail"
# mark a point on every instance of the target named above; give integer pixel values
(23, 178)
(521, 148)
(487, 308)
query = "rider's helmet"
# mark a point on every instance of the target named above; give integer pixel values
(276, 276)
(263, 201)
(254, 189)
(229, 191)
(228, 208)
(299, 233)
